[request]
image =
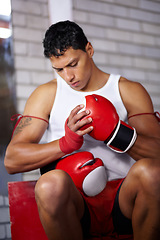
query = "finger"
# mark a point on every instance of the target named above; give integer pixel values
(76, 110)
(83, 122)
(79, 116)
(85, 131)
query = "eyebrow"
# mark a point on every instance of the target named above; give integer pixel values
(72, 61)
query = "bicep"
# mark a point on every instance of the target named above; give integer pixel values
(29, 130)
(137, 101)
(36, 115)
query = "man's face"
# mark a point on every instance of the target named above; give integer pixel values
(74, 66)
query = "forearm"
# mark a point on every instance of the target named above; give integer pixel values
(145, 147)
(23, 157)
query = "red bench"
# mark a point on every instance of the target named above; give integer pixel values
(24, 217)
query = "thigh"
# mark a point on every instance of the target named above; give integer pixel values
(128, 192)
(56, 188)
(143, 177)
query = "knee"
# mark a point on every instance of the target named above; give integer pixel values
(52, 190)
(147, 172)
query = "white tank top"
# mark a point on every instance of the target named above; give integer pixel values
(117, 164)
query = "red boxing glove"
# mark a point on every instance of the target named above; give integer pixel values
(71, 141)
(116, 134)
(88, 173)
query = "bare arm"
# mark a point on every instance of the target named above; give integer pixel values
(137, 100)
(24, 153)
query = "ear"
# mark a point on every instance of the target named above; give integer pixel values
(89, 49)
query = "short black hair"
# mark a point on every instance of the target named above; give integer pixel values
(61, 36)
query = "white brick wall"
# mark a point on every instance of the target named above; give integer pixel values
(126, 38)
(30, 20)
(5, 232)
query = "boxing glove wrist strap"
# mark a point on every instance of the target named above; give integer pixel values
(123, 138)
(71, 141)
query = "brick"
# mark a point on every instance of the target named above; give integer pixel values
(117, 34)
(128, 24)
(48, 65)
(156, 102)
(100, 58)
(35, 49)
(18, 19)
(120, 60)
(101, 7)
(157, 40)
(36, 22)
(80, 16)
(40, 78)
(29, 63)
(127, 3)
(101, 20)
(152, 52)
(151, 28)
(130, 49)
(28, 34)
(44, 12)
(150, 5)
(145, 63)
(32, 175)
(111, 69)
(20, 48)
(134, 74)
(41, 1)
(24, 91)
(4, 216)
(2, 232)
(143, 39)
(1, 201)
(158, 64)
(23, 77)
(21, 104)
(107, 1)
(26, 7)
(6, 201)
(93, 31)
(119, 11)
(94, 6)
(8, 230)
(152, 88)
(154, 77)
(104, 45)
(144, 15)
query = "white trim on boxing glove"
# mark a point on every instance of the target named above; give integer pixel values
(95, 181)
(123, 138)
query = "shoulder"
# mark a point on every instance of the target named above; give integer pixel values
(135, 97)
(41, 100)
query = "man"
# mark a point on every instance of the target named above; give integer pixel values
(62, 208)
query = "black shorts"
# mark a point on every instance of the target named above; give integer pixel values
(122, 225)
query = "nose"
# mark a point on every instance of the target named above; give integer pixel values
(68, 75)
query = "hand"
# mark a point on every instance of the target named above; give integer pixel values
(73, 138)
(77, 120)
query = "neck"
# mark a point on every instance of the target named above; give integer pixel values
(97, 80)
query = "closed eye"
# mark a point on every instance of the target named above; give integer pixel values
(73, 65)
